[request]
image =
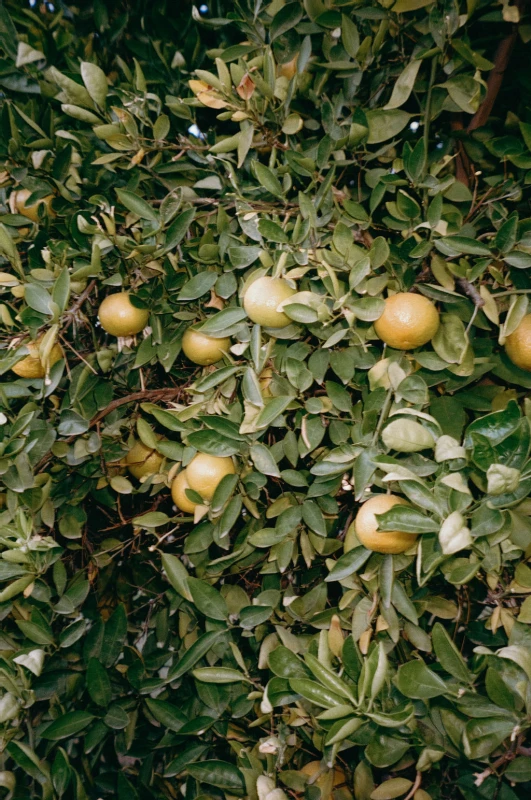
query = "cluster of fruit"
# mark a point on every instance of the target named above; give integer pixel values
(408, 321)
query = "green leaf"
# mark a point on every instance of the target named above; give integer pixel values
(207, 599)
(98, 683)
(178, 229)
(406, 519)
(383, 125)
(414, 679)
(448, 655)
(167, 714)
(177, 574)
(348, 564)
(197, 286)
(403, 86)
(196, 652)
(68, 725)
(218, 675)
(217, 773)
(95, 82)
(137, 205)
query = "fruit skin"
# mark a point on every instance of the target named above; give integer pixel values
(17, 203)
(178, 493)
(204, 473)
(119, 317)
(518, 344)
(365, 526)
(142, 461)
(262, 299)
(202, 349)
(408, 321)
(31, 366)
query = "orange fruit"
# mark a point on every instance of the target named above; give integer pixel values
(203, 349)
(518, 344)
(119, 317)
(17, 204)
(262, 299)
(31, 366)
(142, 461)
(365, 527)
(178, 493)
(204, 473)
(408, 321)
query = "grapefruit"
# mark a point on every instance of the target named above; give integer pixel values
(365, 527)
(518, 344)
(142, 461)
(178, 493)
(203, 349)
(119, 317)
(408, 321)
(262, 299)
(204, 473)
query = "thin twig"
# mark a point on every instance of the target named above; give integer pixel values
(470, 290)
(416, 785)
(71, 312)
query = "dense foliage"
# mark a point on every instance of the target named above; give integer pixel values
(357, 149)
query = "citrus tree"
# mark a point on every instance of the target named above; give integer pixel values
(265, 517)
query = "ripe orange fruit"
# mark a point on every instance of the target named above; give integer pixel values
(119, 317)
(203, 349)
(204, 473)
(178, 493)
(365, 527)
(327, 781)
(17, 204)
(262, 299)
(142, 461)
(31, 366)
(518, 344)
(408, 321)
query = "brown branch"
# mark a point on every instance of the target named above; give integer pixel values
(464, 168)
(148, 394)
(495, 79)
(71, 312)
(412, 792)
(470, 290)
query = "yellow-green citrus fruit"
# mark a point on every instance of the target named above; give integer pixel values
(142, 461)
(408, 321)
(119, 317)
(262, 299)
(365, 527)
(204, 473)
(31, 366)
(202, 349)
(17, 202)
(178, 493)
(518, 344)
